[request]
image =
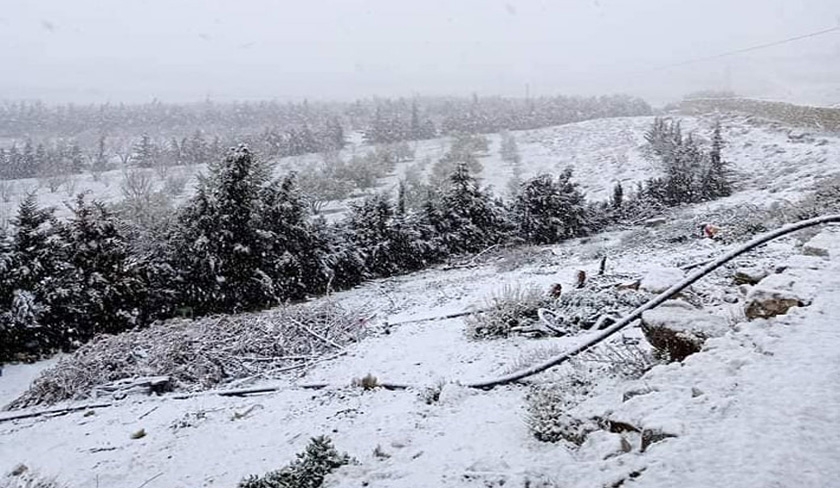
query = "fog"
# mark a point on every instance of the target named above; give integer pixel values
(184, 50)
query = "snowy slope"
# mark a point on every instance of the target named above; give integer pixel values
(601, 152)
(757, 407)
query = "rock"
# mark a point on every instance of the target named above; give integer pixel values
(627, 395)
(803, 262)
(678, 332)
(652, 436)
(818, 245)
(764, 302)
(660, 279)
(655, 222)
(602, 445)
(750, 275)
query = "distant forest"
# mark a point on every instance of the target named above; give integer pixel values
(73, 138)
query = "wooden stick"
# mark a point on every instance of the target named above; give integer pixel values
(315, 334)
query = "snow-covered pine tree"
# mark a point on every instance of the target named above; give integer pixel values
(717, 180)
(469, 220)
(145, 152)
(371, 225)
(618, 196)
(221, 249)
(298, 264)
(109, 288)
(38, 280)
(548, 210)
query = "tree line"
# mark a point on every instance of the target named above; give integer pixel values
(246, 241)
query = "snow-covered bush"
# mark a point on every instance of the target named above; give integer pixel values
(23, 477)
(548, 417)
(307, 471)
(514, 306)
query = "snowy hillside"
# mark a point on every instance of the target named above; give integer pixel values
(757, 406)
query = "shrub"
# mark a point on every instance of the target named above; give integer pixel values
(548, 418)
(513, 307)
(307, 471)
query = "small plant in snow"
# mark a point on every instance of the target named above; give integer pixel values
(431, 394)
(513, 307)
(624, 359)
(307, 471)
(23, 477)
(367, 383)
(548, 418)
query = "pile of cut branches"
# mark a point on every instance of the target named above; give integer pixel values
(201, 354)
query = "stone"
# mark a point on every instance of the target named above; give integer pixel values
(655, 222)
(818, 245)
(749, 275)
(660, 279)
(678, 332)
(763, 302)
(652, 436)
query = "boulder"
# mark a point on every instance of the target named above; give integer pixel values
(772, 296)
(818, 245)
(660, 279)
(750, 275)
(763, 302)
(677, 332)
(652, 436)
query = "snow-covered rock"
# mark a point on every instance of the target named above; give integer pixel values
(660, 279)
(750, 275)
(818, 245)
(772, 296)
(678, 330)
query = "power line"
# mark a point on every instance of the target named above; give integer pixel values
(748, 49)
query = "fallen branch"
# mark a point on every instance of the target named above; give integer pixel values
(439, 317)
(653, 303)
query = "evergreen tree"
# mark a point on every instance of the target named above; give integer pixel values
(548, 210)
(77, 159)
(298, 262)
(717, 182)
(618, 196)
(221, 249)
(145, 152)
(100, 162)
(471, 220)
(37, 278)
(109, 290)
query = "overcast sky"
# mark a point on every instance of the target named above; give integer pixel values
(186, 50)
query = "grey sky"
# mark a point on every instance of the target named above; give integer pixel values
(182, 50)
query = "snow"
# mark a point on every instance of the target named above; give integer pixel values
(758, 406)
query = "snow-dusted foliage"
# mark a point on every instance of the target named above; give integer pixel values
(548, 414)
(511, 308)
(549, 210)
(310, 468)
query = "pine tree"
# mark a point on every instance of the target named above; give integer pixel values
(548, 210)
(618, 196)
(145, 153)
(100, 162)
(109, 290)
(298, 263)
(221, 249)
(717, 182)
(77, 159)
(471, 220)
(37, 278)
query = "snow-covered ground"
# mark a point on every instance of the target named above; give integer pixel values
(757, 407)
